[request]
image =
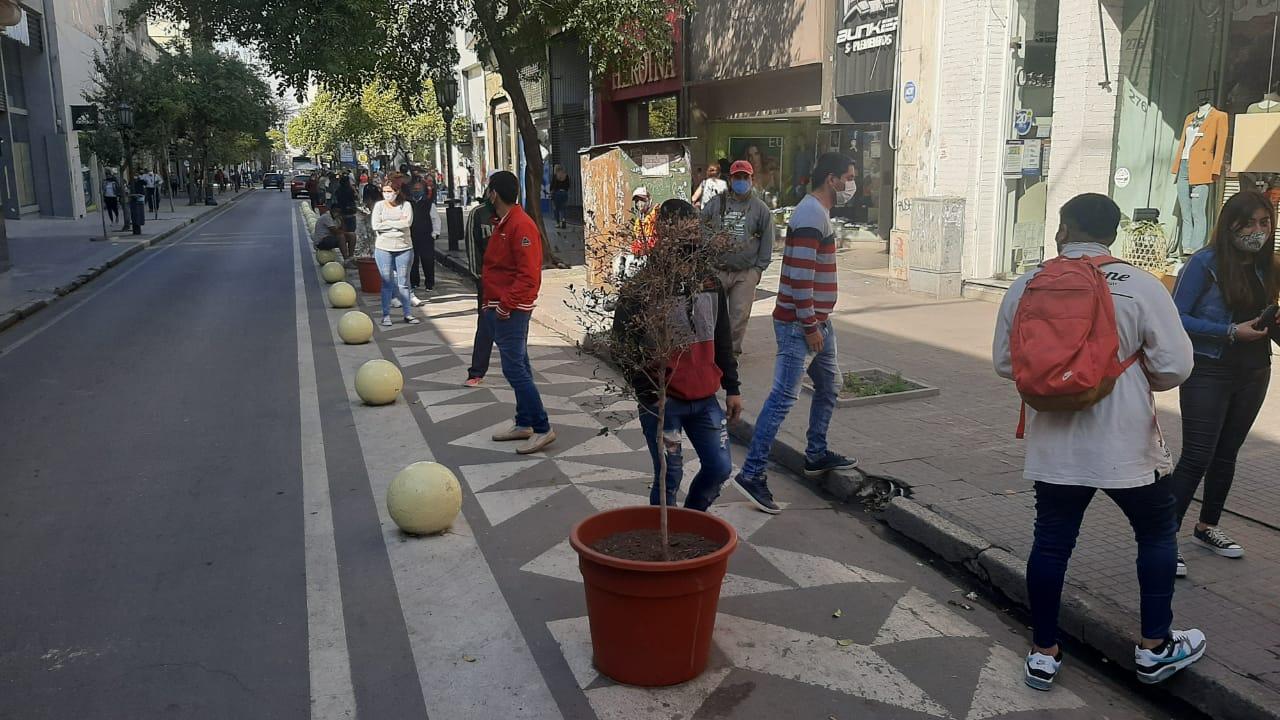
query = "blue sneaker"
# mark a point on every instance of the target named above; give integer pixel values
(827, 463)
(757, 491)
(1182, 648)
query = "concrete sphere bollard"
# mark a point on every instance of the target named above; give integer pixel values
(355, 327)
(342, 295)
(378, 382)
(332, 272)
(424, 498)
(324, 257)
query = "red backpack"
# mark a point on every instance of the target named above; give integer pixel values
(1064, 341)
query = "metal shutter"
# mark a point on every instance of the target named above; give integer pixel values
(570, 107)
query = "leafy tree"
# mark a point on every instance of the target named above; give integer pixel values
(119, 77)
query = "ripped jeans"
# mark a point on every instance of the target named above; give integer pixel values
(703, 422)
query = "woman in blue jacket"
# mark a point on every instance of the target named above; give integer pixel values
(1221, 292)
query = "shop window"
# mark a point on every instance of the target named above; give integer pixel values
(1026, 157)
(652, 118)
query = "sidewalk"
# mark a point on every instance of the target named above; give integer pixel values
(968, 502)
(54, 256)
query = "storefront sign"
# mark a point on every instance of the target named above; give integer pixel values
(1031, 158)
(84, 117)
(650, 69)
(1023, 120)
(865, 37)
(1121, 177)
(909, 92)
(346, 153)
(1012, 158)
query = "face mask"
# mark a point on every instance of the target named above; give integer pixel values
(642, 205)
(844, 196)
(1251, 242)
(741, 187)
(388, 196)
(419, 195)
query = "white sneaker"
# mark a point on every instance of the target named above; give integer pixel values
(515, 432)
(1041, 670)
(395, 302)
(415, 301)
(1183, 648)
(386, 321)
(537, 442)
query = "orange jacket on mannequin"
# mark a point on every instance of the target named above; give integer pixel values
(1207, 154)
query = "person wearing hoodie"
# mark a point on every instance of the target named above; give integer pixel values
(745, 217)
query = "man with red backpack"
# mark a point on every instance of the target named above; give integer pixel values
(1088, 339)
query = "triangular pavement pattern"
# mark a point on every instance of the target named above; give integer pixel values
(1001, 691)
(561, 561)
(853, 670)
(918, 616)
(598, 445)
(452, 376)
(553, 402)
(574, 637)
(483, 439)
(561, 379)
(430, 397)
(501, 505)
(815, 571)
(479, 477)
(412, 355)
(602, 499)
(578, 472)
(440, 413)
(735, 585)
(624, 702)
(743, 516)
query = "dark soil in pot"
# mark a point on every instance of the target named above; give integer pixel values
(646, 545)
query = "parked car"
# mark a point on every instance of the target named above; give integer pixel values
(273, 180)
(298, 187)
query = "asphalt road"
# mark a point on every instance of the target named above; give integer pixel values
(191, 526)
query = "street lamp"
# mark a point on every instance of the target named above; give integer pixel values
(447, 98)
(124, 116)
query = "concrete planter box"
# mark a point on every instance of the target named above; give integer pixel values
(918, 389)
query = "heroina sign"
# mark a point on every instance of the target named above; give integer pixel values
(865, 41)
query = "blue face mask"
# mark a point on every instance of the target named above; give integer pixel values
(418, 195)
(742, 187)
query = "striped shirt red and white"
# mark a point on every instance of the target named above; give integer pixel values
(807, 288)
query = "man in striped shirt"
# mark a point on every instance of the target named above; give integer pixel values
(806, 296)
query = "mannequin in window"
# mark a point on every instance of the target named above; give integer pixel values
(1261, 181)
(1197, 165)
(1269, 102)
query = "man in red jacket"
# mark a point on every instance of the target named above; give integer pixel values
(510, 279)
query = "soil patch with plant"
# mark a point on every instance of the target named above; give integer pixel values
(646, 545)
(857, 384)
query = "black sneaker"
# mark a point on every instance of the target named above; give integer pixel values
(827, 463)
(757, 491)
(1041, 669)
(1182, 648)
(1180, 570)
(1219, 542)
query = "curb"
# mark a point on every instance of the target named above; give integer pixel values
(13, 317)
(1208, 685)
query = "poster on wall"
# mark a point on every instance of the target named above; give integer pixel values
(1012, 158)
(765, 156)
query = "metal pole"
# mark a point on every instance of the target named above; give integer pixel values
(102, 203)
(449, 202)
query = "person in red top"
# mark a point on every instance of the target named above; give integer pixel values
(510, 278)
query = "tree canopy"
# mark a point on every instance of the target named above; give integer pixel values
(374, 119)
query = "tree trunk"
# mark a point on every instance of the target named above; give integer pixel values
(663, 532)
(509, 69)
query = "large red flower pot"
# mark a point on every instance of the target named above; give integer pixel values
(651, 622)
(370, 278)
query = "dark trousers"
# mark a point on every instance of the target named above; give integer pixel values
(1219, 405)
(153, 199)
(424, 255)
(482, 346)
(112, 206)
(1059, 511)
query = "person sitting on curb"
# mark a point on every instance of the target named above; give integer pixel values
(806, 297)
(327, 234)
(1112, 444)
(511, 278)
(695, 375)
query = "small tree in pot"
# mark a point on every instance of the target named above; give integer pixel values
(652, 613)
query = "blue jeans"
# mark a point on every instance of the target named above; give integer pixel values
(1192, 204)
(1059, 510)
(512, 338)
(703, 421)
(393, 266)
(793, 351)
(560, 198)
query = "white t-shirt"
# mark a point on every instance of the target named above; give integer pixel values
(1114, 443)
(149, 180)
(712, 187)
(323, 225)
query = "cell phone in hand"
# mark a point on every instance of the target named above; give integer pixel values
(1268, 317)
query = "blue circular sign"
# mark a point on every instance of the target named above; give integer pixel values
(1022, 121)
(909, 92)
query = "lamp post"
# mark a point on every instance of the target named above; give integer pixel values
(447, 98)
(124, 116)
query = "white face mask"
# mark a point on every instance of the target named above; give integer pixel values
(1252, 242)
(388, 196)
(844, 196)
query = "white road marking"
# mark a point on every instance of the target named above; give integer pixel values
(479, 477)
(814, 571)
(501, 505)
(624, 702)
(332, 695)
(1001, 690)
(917, 616)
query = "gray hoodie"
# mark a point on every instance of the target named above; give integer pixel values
(749, 222)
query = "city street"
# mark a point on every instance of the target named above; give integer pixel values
(193, 525)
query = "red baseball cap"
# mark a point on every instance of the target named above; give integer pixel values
(741, 166)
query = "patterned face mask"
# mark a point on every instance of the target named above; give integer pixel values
(1251, 242)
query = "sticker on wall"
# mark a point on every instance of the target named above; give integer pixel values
(1121, 177)
(655, 165)
(1023, 120)
(909, 92)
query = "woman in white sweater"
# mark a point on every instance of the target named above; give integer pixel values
(393, 248)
